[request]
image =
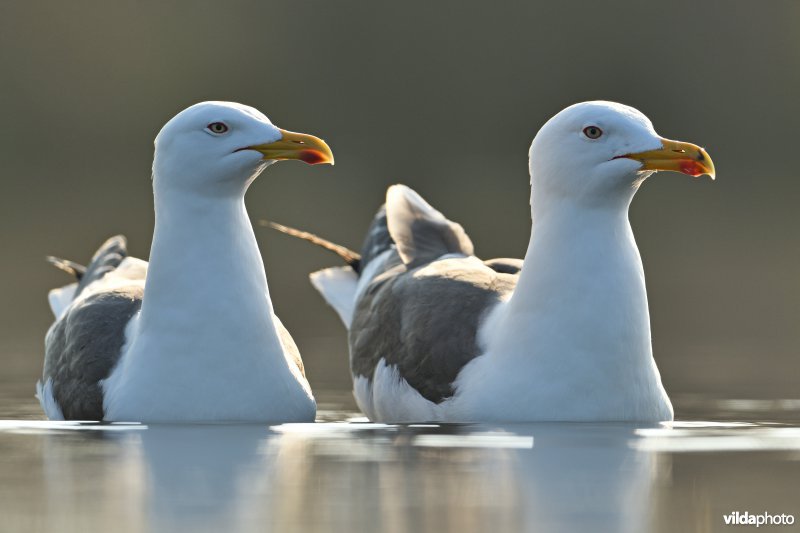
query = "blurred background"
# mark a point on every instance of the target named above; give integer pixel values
(443, 96)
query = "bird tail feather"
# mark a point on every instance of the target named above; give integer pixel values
(337, 285)
(70, 267)
(349, 256)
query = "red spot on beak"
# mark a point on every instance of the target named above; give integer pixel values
(691, 168)
(312, 157)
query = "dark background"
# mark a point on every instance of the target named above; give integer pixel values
(443, 96)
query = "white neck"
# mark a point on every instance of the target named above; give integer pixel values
(206, 275)
(579, 248)
(577, 322)
(583, 273)
(205, 346)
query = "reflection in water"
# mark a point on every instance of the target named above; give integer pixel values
(393, 485)
(719, 437)
(195, 475)
(92, 479)
(587, 478)
(553, 477)
(371, 477)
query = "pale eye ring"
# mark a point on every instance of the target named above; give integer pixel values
(592, 132)
(217, 127)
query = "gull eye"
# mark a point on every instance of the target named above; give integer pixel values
(592, 132)
(217, 127)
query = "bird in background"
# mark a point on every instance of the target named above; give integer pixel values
(437, 334)
(192, 336)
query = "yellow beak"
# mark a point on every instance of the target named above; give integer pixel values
(678, 156)
(291, 145)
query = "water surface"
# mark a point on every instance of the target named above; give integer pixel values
(347, 475)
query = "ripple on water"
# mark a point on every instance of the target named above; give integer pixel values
(347, 474)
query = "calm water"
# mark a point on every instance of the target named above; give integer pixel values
(347, 475)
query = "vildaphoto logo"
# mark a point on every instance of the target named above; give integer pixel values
(764, 519)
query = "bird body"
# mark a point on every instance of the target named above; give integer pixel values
(437, 334)
(573, 342)
(227, 359)
(191, 337)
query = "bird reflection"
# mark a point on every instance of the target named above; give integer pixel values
(195, 474)
(581, 477)
(568, 477)
(353, 477)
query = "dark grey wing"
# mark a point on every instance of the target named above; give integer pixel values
(377, 240)
(421, 313)
(83, 345)
(82, 348)
(427, 324)
(505, 265)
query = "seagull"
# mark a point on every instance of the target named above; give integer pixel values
(191, 336)
(437, 334)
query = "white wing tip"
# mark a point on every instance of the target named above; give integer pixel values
(60, 298)
(338, 285)
(404, 193)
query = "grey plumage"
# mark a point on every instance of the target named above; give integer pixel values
(83, 345)
(420, 232)
(106, 258)
(505, 265)
(424, 321)
(421, 310)
(421, 313)
(378, 239)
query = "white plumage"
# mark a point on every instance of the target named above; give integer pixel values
(566, 338)
(206, 345)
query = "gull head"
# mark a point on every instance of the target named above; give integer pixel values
(221, 147)
(600, 152)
